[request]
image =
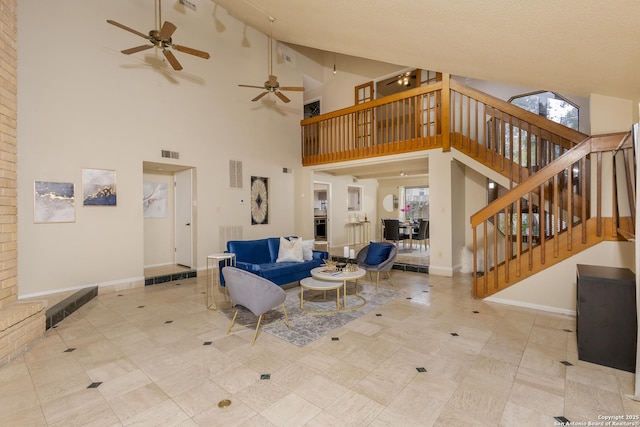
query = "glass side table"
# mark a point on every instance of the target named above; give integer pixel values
(213, 280)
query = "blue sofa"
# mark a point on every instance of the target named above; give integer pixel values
(259, 257)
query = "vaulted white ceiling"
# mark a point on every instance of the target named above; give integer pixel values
(575, 47)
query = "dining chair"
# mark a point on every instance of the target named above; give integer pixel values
(392, 231)
(421, 235)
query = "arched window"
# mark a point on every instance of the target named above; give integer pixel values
(550, 105)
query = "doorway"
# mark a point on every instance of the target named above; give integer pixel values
(321, 212)
(169, 222)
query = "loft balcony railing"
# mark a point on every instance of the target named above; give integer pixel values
(445, 114)
(401, 123)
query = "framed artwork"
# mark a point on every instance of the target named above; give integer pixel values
(154, 199)
(53, 202)
(98, 187)
(259, 200)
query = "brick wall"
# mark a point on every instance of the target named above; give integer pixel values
(21, 323)
(8, 155)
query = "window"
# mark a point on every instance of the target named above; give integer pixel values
(416, 203)
(549, 105)
(312, 109)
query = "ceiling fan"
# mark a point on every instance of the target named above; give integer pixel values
(272, 85)
(161, 39)
(403, 79)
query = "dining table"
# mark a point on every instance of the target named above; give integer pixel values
(408, 228)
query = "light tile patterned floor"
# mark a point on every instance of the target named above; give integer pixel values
(435, 356)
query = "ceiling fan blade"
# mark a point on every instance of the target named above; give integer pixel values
(191, 51)
(282, 97)
(172, 59)
(137, 49)
(131, 30)
(256, 87)
(259, 96)
(167, 30)
(273, 80)
(296, 88)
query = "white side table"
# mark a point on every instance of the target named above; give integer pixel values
(213, 280)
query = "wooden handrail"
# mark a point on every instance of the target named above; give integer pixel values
(531, 184)
(599, 143)
(515, 111)
(410, 93)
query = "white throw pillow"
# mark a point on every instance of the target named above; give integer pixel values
(290, 250)
(307, 249)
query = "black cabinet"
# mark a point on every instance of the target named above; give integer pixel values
(606, 316)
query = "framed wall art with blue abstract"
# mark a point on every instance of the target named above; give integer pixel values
(98, 187)
(53, 202)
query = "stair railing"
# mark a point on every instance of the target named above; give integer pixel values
(555, 217)
(512, 141)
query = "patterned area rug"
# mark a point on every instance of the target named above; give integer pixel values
(306, 327)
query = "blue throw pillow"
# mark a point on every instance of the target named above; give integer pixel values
(378, 252)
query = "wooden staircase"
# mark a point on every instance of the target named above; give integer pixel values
(517, 243)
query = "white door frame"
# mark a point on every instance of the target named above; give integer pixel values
(328, 225)
(184, 227)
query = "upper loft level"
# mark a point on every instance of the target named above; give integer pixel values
(441, 113)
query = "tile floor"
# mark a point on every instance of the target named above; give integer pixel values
(435, 356)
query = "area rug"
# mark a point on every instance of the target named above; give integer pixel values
(306, 327)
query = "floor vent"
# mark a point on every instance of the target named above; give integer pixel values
(170, 154)
(229, 232)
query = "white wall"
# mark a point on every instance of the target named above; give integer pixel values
(441, 213)
(554, 289)
(338, 90)
(83, 104)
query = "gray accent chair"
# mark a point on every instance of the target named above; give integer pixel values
(385, 266)
(255, 293)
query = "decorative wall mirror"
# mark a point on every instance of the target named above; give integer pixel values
(354, 198)
(390, 202)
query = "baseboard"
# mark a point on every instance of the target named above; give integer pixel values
(164, 278)
(523, 304)
(58, 312)
(441, 271)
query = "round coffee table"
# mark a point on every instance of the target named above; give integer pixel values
(311, 284)
(324, 274)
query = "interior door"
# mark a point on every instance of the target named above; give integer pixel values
(364, 128)
(184, 218)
